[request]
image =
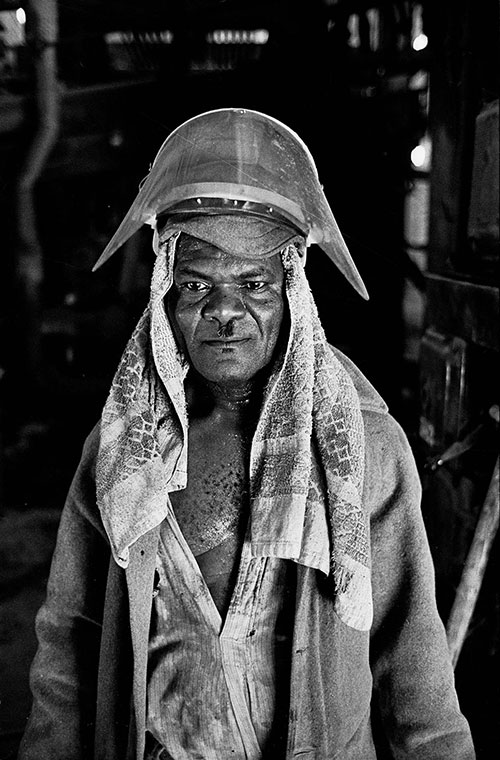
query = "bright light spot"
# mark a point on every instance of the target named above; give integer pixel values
(21, 15)
(420, 42)
(421, 155)
(353, 27)
(238, 36)
(418, 156)
(373, 17)
(418, 81)
(260, 36)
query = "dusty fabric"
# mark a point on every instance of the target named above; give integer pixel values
(240, 235)
(327, 460)
(231, 711)
(90, 673)
(307, 452)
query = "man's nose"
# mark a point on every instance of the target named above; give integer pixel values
(224, 304)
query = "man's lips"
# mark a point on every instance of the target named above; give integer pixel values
(225, 342)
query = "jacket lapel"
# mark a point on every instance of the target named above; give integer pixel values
(140, 578)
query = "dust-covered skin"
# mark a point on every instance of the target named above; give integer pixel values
(216, 498)
(212, 510)
(227, 312)
(213, 289)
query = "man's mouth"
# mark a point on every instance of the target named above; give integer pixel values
(225, 342)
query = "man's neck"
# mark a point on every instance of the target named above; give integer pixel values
(240, 402)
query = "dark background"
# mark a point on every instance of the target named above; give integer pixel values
(86, 101)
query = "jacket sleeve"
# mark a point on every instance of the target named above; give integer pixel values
(413, 676)
(64, 672)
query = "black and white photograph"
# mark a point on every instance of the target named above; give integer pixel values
(249, 380)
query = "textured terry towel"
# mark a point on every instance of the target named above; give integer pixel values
(307, 452)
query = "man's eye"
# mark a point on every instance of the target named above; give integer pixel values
(255, 285)
(194, 286)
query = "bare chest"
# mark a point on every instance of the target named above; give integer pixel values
(214, 506)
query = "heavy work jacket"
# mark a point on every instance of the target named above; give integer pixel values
(89, 675)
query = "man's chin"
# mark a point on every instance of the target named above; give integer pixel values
(227, 373)
(229, 379)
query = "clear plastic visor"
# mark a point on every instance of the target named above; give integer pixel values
(239, 155)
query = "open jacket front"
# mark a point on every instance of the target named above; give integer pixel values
(89, 675)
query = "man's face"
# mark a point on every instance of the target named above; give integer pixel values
(227, 309)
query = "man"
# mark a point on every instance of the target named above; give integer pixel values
(241, 569)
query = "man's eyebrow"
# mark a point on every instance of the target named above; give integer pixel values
(245, 274)
(253, 273)
(189, 270)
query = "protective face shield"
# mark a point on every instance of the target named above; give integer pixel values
(234, 160)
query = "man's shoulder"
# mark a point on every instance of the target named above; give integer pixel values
(91, 446)
(369, 398)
